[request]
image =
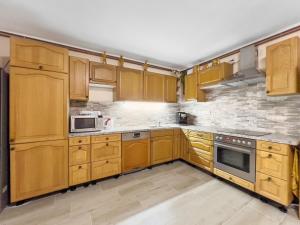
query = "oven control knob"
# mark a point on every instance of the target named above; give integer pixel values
(233, 140)
(217, 137)
(249, 143)
(244, 142)
(220, 138)
(239, 141)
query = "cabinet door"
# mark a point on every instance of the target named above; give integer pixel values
(273, 188)
(282, 67)
(106, 168)
(106, 150)
(79, 154)
(210, 76)
(38, 168)
(129, 84)
(161, 149)
(38, 105)
(79, 79)
(191, 87)
(177, 146)
(170, 89)
(135, 154)
(273, 164)
(184, 147)
(79, 174)
(103, 73)
(153, 87)
(38, 55)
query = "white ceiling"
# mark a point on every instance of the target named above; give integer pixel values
(173, 33)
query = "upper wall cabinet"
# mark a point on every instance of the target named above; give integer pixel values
(191, 86)
(170, 89)
(79, 79)
(38, 55)
(38, 105)
(153, 87)
(283, 67)
(214, 74)
(103, 73)
(129, 84)
(192, 91)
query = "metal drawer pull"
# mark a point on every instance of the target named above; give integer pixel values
(107, 161)
(270, 156)
(270, 147)
(107, 138)
(79, 167)
(106, 144)
(269, 179)
(79, 141)
(79, 148)
(230, 178)
(12, 148)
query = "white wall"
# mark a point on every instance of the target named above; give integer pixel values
(4, 50)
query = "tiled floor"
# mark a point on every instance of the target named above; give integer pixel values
(169, 194)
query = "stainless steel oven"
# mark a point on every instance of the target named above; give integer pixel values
(86, 122)
(235, 155)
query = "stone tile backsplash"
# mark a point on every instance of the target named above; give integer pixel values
(247, 108)
(131, 113)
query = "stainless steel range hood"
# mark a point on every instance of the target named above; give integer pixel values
(248, 73)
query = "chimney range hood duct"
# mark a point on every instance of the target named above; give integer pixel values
(247, 74)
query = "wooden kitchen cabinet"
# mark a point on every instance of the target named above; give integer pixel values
(79, 154)
(79, 79)
(79, 174)
(273, 188)
(129, 84)
(170, 89)
(135, 154)
(191, 86)
(103, 73)
(214, 74)
(106, 168)
(38, 105)
(177, 144)
(283, 67)
(161, 149)
(38, 168)
(153, 87)
(101, 151)
(185, 155)
(192, 92)
(32, 54)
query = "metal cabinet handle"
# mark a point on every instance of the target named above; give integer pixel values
(40, 67)
(107, 161)
(269, 179)
(106, 144)
(267, 91)
(270, 147)
(107, 138)
(79, 147)
(270, 156)
(230, 178)
(79, 167)
(79, 141)
(12, 148)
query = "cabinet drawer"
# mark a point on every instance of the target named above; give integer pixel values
(273, 188)
(106, 168)
(79, 174)
(202, 153)
(273, 147)
(161, 133)
(85, 140)
(177, 131)
(106, 138)
(201, 135)
(106, 150)
(79, 154)
(272, 164)
(201, 161)
(241, 182)
(205, 145)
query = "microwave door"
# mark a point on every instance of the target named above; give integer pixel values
(83, 124)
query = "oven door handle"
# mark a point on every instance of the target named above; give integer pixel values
(243, 150)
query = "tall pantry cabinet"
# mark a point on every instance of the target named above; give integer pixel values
(39, 96)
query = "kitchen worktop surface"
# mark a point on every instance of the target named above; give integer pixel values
(273, 137)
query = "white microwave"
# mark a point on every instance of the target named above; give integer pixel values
(85, 123)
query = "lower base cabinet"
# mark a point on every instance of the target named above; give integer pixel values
(79, 174)
(161, 149)
(38, 168)
(201, 160)
(106, 168)
(273, 188)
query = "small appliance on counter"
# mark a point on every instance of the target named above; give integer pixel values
(181, 118)
(108, 122)
(86, 121)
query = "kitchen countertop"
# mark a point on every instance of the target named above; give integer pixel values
(273, 137)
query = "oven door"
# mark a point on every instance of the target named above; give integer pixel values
(83, 123)
(235, 160)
